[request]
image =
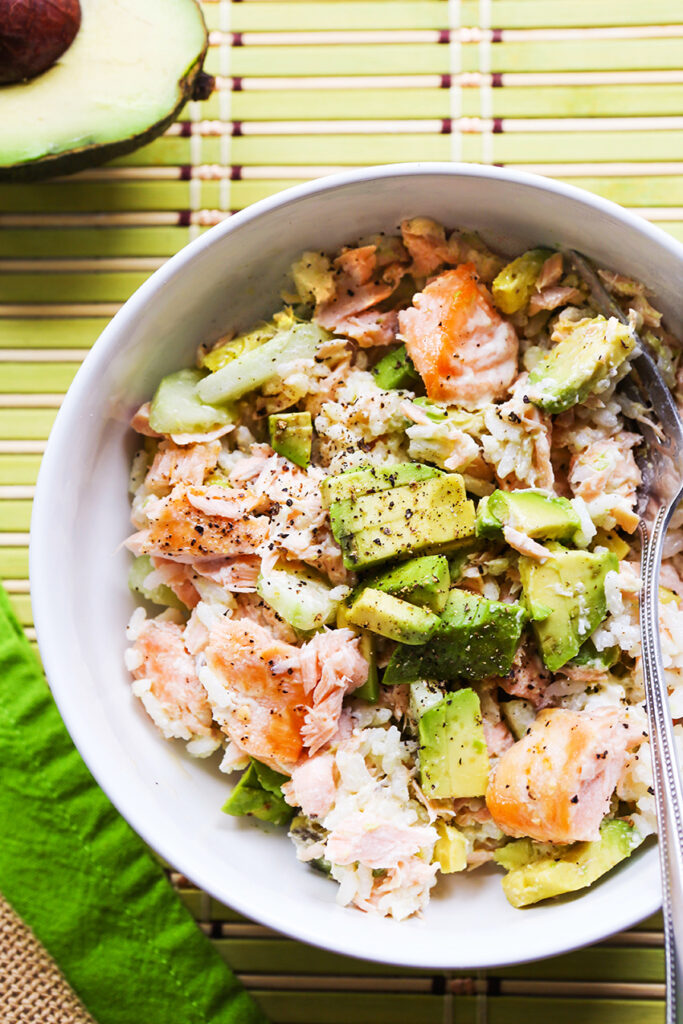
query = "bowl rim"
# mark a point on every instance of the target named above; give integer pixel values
(56, 669)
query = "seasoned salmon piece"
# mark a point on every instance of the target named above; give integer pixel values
(528, 678)
(370, 328)
(167, 682)
(356, 288)
(556, 783)
(462, 348)
(426, 242)
(174, 465)
(183, 533)
(607, 477)
(266, 702)
(312, 786)
(273, 699)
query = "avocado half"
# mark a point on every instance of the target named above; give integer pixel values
(123, 80)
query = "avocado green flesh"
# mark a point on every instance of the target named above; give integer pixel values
(590, 657)
(405, 520)
(369, 691)
(395, 370)
(575, 366)
(514, 285)
(476, 638)
(565, 597)
(533, 513)
(129, 70)
(535, 875)
(453, 755)
(259, 794)
(353, 484)
(390, 617)
(422, 581)
(291, 435)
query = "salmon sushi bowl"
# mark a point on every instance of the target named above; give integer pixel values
(381, 582)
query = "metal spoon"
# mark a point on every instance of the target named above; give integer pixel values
(661, 490)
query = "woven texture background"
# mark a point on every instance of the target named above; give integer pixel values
(32, 988)
(589, 92)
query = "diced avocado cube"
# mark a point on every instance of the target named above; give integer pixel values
(369, 691)
(565, 597)
(389, 616)
(415, 518)
(519, 715)
(259, 793)
(531, 877)
(487, 525)
(514, 285)
(450, 849)
(590, 657)
(162, 595)
(611, 540)
(422, 581)
(291, 435)
(395, 370)
(579, 363)
(454, 760)
(177, 408)
(477, 638)
(532, 512)
(353, 483)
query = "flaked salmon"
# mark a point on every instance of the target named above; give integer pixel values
(556, 783)
(463, 349)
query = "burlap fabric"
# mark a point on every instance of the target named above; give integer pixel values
(33, 990)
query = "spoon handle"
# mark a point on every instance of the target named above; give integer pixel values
(666, 772)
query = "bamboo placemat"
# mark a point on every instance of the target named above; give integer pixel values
(589, 91)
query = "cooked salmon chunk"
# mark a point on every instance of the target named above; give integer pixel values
(462, 348)
(556, 783)
(272, 698)
(182, 532)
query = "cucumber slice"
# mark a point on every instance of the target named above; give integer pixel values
(163, 595)
(252, 369)
(177, 408)
(299, 598)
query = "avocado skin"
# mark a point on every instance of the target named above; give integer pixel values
(535, 874)
(422, 581)
(194, 84)
(558, 618)
(477, 638)
(453, 756)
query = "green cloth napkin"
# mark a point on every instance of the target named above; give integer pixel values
(82, 879)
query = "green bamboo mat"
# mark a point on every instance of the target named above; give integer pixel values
(589, 92)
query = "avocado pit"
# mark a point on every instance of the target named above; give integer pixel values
(34, 34)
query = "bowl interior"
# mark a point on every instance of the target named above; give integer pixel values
(229, 279)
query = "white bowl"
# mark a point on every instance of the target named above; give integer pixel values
(230, 277)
